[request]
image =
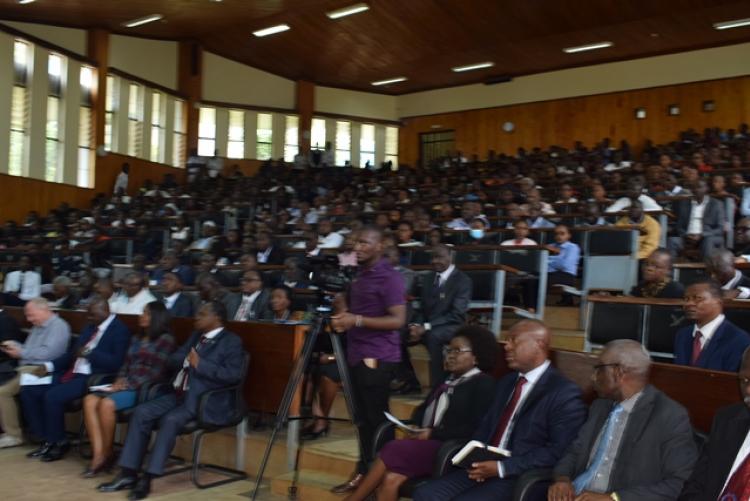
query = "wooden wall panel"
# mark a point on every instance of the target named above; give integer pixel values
(588, 119)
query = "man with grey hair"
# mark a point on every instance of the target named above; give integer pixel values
(63, 297)
(133, 297)
(637, 443)
(47, 340)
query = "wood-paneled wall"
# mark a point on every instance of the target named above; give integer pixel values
(588, 119)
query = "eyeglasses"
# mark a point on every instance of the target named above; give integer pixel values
(602, 366)
(455, 351)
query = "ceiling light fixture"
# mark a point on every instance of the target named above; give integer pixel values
(478, 66)
(737, 23)
(591, 46)
(271, 31)
(389, 81)
(23, 2)
(348, 11)
(143, 20)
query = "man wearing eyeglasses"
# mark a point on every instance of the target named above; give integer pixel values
(636, 444)
(254, 297)
(723, 469)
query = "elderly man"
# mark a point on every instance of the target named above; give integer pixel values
(133, 297)
(657, 278)
(63, 298)
(636, 444)
(47, 340)
(720, 266)
(724, 465)
(100, 349)
(535, 415)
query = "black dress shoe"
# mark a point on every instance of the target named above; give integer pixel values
(40, 451)
(56, 452)
(118, 483)
(349, 486)
(141, 489)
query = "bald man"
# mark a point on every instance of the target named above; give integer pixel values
(636, 444)
(536, 414)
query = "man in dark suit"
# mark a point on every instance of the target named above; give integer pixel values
(210, 289)
(254, 297)
(178, 303)
(100, 349)
(712, 341)
(636, 444)
(700, 223)
(267, 251)
(724, 465)
(170, 261)
(212, 358)
(444, 301)
(720, 266)
(208, 268)
(536, 415)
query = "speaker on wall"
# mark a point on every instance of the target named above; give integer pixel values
(497, 79)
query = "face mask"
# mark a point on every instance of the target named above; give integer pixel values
(476, 234)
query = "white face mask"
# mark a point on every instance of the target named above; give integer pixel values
(476, 233)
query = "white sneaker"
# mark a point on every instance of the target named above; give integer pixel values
(9, 441)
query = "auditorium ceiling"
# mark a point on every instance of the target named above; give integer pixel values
(417, 39)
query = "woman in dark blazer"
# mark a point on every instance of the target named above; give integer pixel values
(453, 410)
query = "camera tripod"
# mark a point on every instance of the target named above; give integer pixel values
(321, 322)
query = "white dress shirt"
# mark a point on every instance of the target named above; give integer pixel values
(131, 305)
(744, 292)
(246, 305)
(169, 301)
(28, 288)
(695, 226)
(708, 330)
(741, 455)
(121, 182)
(444, 275)
(331, 241)
(81, 364)
(649, 204)
(186, 363)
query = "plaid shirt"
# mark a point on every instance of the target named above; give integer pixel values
(147, 360)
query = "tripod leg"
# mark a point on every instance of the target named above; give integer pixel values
(346, 383)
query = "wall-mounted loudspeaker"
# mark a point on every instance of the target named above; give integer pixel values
(498, 79)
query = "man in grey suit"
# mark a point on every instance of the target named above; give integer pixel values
(443, 303)
(636, 444)
(700, 223)
(254, 297)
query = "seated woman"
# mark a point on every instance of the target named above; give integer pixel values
(657, 278)
(280, 305)
(145, 362)
(453, 410)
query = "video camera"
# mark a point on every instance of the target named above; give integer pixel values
(327, 275)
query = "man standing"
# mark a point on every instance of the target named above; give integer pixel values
(22, 284)
(377, 310)
(637, 443)
(48, 340)
(444, 302)
(121, 183)
(712, 342)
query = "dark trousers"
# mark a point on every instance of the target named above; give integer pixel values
(170, 415)
(406, 371)
(371, 389)
(44, 406)
(457, 485)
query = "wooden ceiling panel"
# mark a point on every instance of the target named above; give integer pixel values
(419, 39)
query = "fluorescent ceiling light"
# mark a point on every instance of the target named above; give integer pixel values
(143, 20)
(591, 46)
(737, 23)
(389, 81)
(22, 2)
(271, 31)
(478, 66)
(348, 11)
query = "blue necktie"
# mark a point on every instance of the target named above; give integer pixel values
(583, 480)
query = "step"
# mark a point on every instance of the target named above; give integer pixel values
(566, 339)
(562, 317)
(336, 456)
(311, 485)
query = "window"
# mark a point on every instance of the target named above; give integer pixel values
(158, 110)
(291, 138)
(367, 145)
(110, 107)
(19, 114)
(264, 136)
(318, 134)
(53, 144)
(135, 121)
(343, 142)
(207, 132)
(391, 146)
(236, 143)
(178, 141)
(85, 139)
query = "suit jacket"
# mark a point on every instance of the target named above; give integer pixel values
(543, 427)
(444, 307)
(183, 306)
(276, 256)
(220, 365)
(259, 307)
(108, 355)
(186, 274)
(656, 454)
(231, 302)
(467, 406)
(731, 425)
(722, 353)
(713, 218)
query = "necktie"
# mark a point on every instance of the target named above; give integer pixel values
(580, 483)
(510, 408)
(697, 348)
(738, 487)
(242, 311)
(437, 281)
(70, 372)
(181, 383)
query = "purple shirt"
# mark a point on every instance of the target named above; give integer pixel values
(371, 294)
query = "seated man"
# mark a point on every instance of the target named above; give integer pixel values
(254, 297)
(178, 304)
(700, 223)
(635, 192)
(724, 464)
(100, 349)
(212, 358)
(62, 295)
(648, 228)
(720, 266)
(209, 289)
(712, 341)
(267, 251)
(48, 339)
(657, 278)
(133, 297)
(327, 238)
(208, 267)
(637, 443)
(536, 414)
(22, 284)
(170, 261)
